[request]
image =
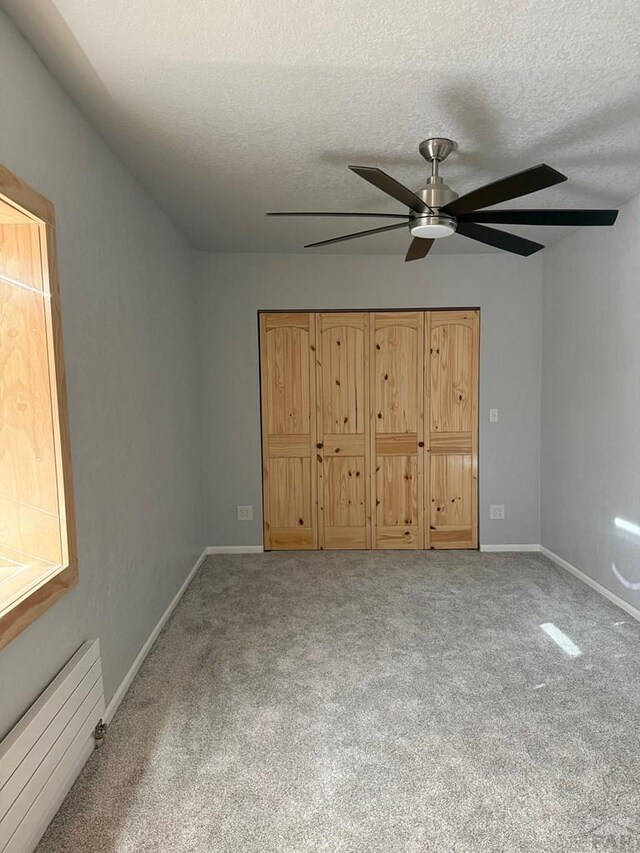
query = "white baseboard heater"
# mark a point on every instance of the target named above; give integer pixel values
(43, 754)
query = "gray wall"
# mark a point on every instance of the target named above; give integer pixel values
(232, 287)
(591, 401)
(129, 325)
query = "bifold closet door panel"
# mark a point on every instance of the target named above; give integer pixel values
(397, 404)
(342, 457)
(452, 392)
(287, 343)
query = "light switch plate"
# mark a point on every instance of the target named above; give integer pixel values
(493, 416)
(245, 513)
(496, 511)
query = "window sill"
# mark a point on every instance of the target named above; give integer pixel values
(27, 592)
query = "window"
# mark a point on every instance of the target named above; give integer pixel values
(38, 560)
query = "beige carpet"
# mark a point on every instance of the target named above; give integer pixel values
(373, 703)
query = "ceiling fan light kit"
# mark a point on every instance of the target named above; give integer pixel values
(432, 227)
(436, 211)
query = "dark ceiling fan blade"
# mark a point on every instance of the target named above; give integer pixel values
(542, 217)
(513, 186)
(314, 213)
(357, 234)
(418, 248)
(499, 239)
(391, 187)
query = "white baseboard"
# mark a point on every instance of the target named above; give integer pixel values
(119, 695)
(530, 548)
(235, 549)
(585, 578)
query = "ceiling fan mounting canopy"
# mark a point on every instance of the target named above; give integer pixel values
(437, 148)
(436, 211)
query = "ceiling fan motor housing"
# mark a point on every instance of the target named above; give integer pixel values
(436, 193)
(429, 226)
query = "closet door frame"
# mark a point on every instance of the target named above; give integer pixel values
(424, 457)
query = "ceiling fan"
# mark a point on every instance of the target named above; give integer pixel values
(436, 211)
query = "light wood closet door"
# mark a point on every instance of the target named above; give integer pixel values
(452, 394)
(343, 430)
(287, 342)
(397, 395)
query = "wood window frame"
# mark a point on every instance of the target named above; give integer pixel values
(22, 204)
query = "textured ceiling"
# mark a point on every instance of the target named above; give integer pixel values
(225, 110)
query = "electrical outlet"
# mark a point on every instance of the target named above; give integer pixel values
(496, 511)
(245, 513)
(493, 416)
